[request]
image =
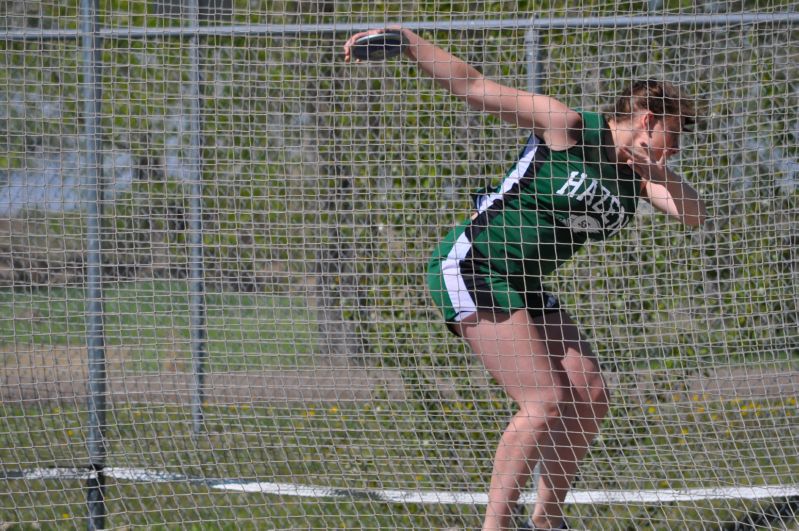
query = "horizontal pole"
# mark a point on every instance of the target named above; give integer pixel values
(440, 25)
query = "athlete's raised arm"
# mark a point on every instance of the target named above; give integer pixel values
(550, 119)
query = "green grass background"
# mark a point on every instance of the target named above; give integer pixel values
(150, 319)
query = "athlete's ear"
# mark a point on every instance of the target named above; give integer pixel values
(649, 121)
(640, 121)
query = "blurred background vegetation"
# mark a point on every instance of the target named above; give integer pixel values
(336, 180)
(326, 185)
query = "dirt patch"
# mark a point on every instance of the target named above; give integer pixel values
(61, 374)
(37, 373)
(726, 383)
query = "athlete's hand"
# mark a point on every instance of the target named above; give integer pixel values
(348, 45)
(640, 159)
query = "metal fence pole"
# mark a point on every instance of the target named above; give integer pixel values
(532, 56)
(91, 54)
(197, 311)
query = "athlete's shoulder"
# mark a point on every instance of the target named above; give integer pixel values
(592, 125)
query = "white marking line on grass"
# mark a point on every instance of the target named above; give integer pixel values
(424, 497)
(471, 498)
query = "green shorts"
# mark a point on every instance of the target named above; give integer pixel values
(461, 282)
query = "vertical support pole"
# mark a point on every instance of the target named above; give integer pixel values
(532, 45)
(91, 53)
(532, 57)
(199, 347)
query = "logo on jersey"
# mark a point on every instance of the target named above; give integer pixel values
(582, 223)
(603, 211)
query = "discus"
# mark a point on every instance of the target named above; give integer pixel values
(379, 46)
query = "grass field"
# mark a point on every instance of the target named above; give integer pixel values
(245, 331)
(381, 445)
(682, 441)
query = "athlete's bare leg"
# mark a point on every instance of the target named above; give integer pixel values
(579, 422)
(535, 360)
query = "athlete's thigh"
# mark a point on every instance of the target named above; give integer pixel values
(516, 353)
(575, 354)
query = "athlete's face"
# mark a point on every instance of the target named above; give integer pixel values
(658, 138)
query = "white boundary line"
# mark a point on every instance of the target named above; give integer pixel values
(423, 497)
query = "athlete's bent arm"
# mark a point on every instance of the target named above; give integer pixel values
(674, 196)
(667, 191)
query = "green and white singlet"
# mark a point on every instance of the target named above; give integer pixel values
(545, 209)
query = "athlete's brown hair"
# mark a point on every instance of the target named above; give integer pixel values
(660, 97)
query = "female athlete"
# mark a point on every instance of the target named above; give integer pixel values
(578, 179)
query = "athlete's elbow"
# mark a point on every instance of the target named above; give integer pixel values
(696, 218)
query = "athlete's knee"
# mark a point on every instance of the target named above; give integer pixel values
(544, 406)
(593, 400)
(587, 382)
